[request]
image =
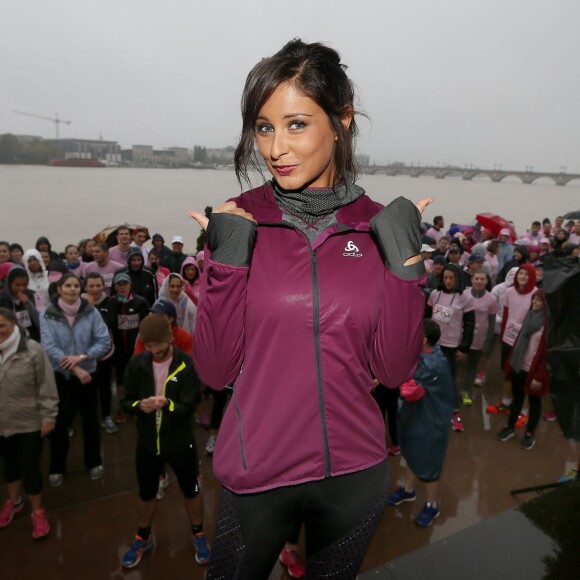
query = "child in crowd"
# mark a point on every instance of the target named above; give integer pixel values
(424, 415)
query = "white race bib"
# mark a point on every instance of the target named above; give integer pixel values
(442, 313)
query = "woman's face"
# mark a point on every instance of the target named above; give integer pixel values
(522, 277)
(6, 328)
(71, 254)
(518, 255)
(19, 285)
(34, 265)
(70, 290)
(4, 253)
(174, 288)
(449, 280)
(296, 140)
(537, 303)
(190, 272)
(89, 247)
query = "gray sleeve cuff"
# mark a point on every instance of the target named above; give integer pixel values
(398, 232)
(231, 239)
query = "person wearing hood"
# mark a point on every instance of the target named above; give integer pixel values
(37, 275)
(191, 278)
(24, 302)
(140, 236)
(44, 245)
(172, 289)
(520, 256)
(5, 267)
(453, 310)
(86, 248)
(161, 272)
(527, 369)
(143, 280)
(505, 247)
(158, 242)
(28, 409)
(518, 300)
(127, 310)
(481, 250)
(491, 251)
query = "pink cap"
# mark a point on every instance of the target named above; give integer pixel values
(504, 232)
(545, 241)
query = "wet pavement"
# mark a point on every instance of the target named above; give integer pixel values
(93, 522)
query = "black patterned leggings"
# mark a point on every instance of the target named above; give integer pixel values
(340, 515)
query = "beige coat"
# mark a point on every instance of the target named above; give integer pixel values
(28, 395)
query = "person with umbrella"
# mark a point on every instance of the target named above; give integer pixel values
(120, 252)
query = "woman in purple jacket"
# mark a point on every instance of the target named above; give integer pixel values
(311, 291)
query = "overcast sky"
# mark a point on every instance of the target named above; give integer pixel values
(457, 81)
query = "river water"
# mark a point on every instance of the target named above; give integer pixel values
(67, 204)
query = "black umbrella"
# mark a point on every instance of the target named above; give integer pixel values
(572, 215)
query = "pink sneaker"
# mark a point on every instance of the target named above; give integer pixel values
(9, 510)
(480, 379)
(550, 416)
(457, 423)
(40, 527)
(293, 562)
(394, 450)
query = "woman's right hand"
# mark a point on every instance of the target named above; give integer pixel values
(227, 207)
(83, 376)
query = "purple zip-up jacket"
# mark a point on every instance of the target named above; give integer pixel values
(299, 335)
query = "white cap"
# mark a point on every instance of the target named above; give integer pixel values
(177, 240)
(426, 248)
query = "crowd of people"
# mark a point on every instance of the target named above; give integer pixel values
(313, 299)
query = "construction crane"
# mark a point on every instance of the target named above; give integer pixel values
(55, 120)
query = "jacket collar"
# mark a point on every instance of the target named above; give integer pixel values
(260, 202)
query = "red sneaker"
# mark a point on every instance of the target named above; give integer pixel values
(120, 417)
(498, 408)
(550, 416)
(40, 527)
(394, 450)
(457, 423)
(293, 562)
(522, 421)
(9, 510)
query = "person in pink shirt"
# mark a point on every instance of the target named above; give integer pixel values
(492, 250)
(436, 231)
(534, 235)
(155, 264)
(103, 265)
(486, 307)
(528, 371)
(575, 235)
(518, 300)
(453, 309)
(120, 252)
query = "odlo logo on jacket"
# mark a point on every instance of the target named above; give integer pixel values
(351, 250)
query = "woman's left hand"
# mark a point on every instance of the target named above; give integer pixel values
(46, 428)
(423, 203)
(535, 385)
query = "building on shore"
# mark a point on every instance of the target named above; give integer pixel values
(108, 151)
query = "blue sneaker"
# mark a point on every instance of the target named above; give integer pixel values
(202, 549)
(138, 548)
(427, 515)
(401, 495)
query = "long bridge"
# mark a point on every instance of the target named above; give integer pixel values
(528, 176)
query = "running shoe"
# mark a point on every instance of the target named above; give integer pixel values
(292, 561)
(457, 423)
(528, 441)
(394, 450)
(427, 515)
(572, 474)
(96, 472)
(480, 379)
(522, 421)
(401, 495)
(55, 479)
(138, 549)
(9, 510)
(40, 527)
(500, 407)
(109, 425)
(120, 417)
(466, 399)
(201, 547)
(203, 420)
(210, 445)
(550, 416)
(506, 433)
